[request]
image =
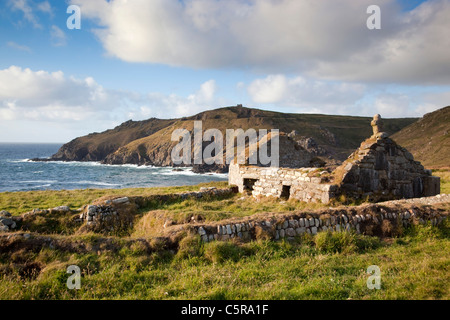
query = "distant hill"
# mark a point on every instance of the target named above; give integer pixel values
(428, 139)
(149, 142)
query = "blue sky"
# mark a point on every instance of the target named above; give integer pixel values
(138, 59)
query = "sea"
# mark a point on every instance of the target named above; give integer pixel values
(19, 173)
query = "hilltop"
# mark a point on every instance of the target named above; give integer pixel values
(149, 142)
(428, 139)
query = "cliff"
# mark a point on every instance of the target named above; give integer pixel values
(331, 138)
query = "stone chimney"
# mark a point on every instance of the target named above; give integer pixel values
(377, 126)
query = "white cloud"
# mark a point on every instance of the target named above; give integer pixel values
(17, 46)
(41, 95)
(28, 14)
(51, 99)
(45, 7)
(306, 95)
(168, 106)
(325, 39)
(58, 36)
(272, 89)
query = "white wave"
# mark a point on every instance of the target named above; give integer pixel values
(77, 163)
(99, 164)
(41, 186)
(20, 161)
(38, 181)
(191, 173)
(95, 183)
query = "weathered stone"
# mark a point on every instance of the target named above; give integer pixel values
(301, 222)
(333, 220)
(5, 214)
(282, 233)
(201, 231)
(300, 230)
(121, 200)
(229, 231)
(290, 232)
(314, 230)
(277, 234)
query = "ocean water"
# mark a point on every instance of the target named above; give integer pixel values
(18, 173)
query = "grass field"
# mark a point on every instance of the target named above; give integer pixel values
(445, 180)
(326, 266)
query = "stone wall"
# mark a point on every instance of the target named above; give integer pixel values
(374, 220)
(305, 184)
(378, 170)
(381, 169)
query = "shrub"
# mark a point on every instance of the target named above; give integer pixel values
(428, 232)
(262, 233)
(138, 248)
(365, 243)
(333, 242)
(219, 252)
(189, 247)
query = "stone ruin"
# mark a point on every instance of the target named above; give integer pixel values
(378, 170)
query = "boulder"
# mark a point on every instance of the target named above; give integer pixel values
(4, 213)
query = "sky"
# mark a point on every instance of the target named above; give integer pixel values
(138, 59)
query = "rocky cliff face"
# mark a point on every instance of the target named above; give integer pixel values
(149, 142)
(98, 146)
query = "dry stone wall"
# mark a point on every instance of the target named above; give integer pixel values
(374, 219)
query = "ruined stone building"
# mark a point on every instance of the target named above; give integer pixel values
(378, 170)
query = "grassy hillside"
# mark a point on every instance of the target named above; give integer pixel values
(339, 135)
(136, 265)
(428, 139)
(149, 142)
(326, 266)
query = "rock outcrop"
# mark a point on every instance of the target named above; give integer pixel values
(6, 221)
(149, 142)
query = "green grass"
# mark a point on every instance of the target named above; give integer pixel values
(21, 202)
(326, 266)
(412, 267)
(445, 179)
